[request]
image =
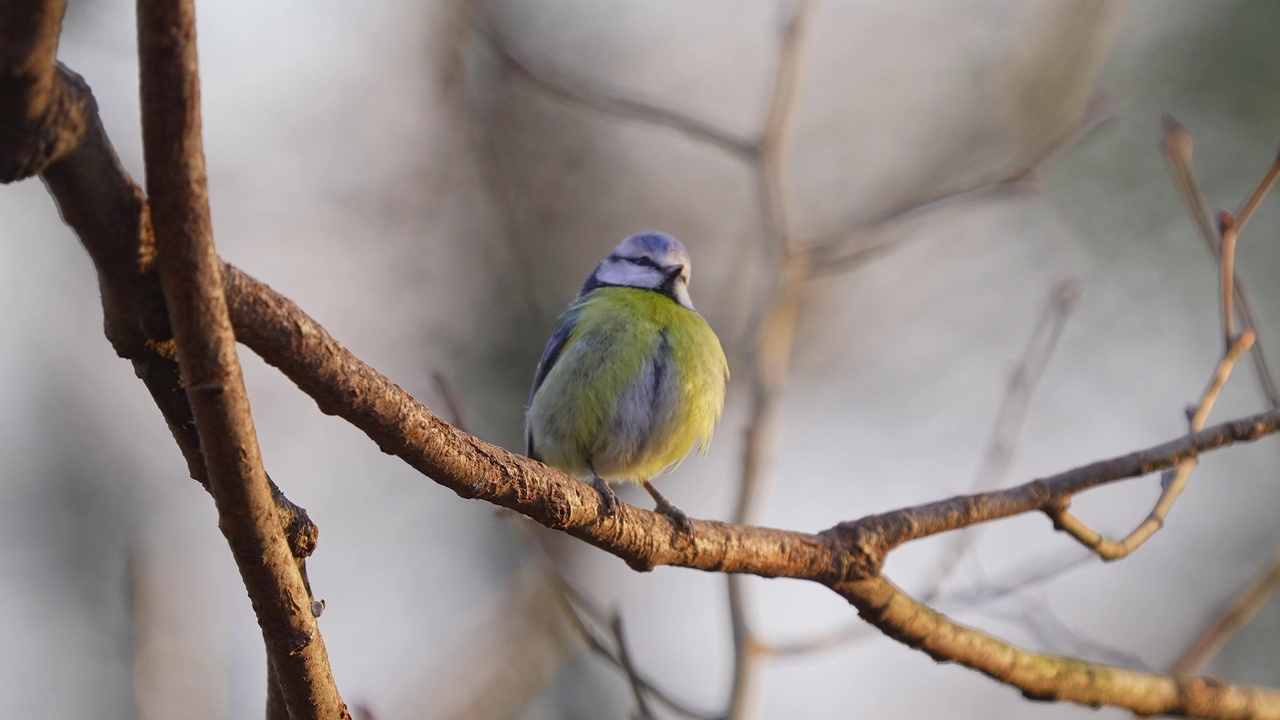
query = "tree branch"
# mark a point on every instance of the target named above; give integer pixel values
(1047, 677)
(190, 275)
(613, 104)
(1178, 149)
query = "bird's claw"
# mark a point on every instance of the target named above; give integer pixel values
(677, 518)
(608, 498)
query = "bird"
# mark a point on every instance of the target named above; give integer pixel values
(632, 377)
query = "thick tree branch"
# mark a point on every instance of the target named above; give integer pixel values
(40, 120)
(190, 275)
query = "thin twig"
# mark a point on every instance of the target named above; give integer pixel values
(1246, 606)
(638, 688)
(776, 320)
(1012, 416)
(1040, 573)
(1178, 149)
(1038, 618)
(995, 464)
(576, 605)
(453, 406)
(1228, 262)
(1245, 213)
(1173, 483)
(190, 275)
(613, 104)
(860, 240)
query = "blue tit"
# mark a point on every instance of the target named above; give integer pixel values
(632, 377)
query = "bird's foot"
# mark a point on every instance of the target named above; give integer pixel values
(672, 513)
(608, 498)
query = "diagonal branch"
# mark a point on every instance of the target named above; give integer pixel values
(1047, 677)
(190, 275)
(1172, 486)
(614, 104)
(1178, 148)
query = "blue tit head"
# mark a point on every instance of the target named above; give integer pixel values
(650, 261)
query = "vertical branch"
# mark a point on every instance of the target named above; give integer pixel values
(191, 278)
(1227, 226)
(775, 336)
(1178, 150)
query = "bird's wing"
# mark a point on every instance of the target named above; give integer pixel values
(564, 328)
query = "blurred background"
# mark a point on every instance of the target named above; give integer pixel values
(388, 168)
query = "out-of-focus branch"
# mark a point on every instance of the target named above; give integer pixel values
(191, 278)
(1172, 485)
(1178, 149)
(1041, 573)
(611, 103)
(861, 241)
(1246, 606)
(775, 326)
(998, 457)
(584, 614)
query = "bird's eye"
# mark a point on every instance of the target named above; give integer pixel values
(675, 272)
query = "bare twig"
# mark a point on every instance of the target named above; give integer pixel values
(1178, 149)
(583, 613)
(190, 274)
(775, 327)
(1245, 213)
(1020, 581)
(1172, 484)
(995, 464)
(453, 406)
(860, 240)
(614, 104)
(1249, 601)
(1246, 606)
(1227, 225)
(638, 689)
(998, 457)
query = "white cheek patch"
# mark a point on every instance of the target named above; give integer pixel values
(621, 272)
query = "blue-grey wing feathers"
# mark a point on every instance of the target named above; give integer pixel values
(560, 336)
